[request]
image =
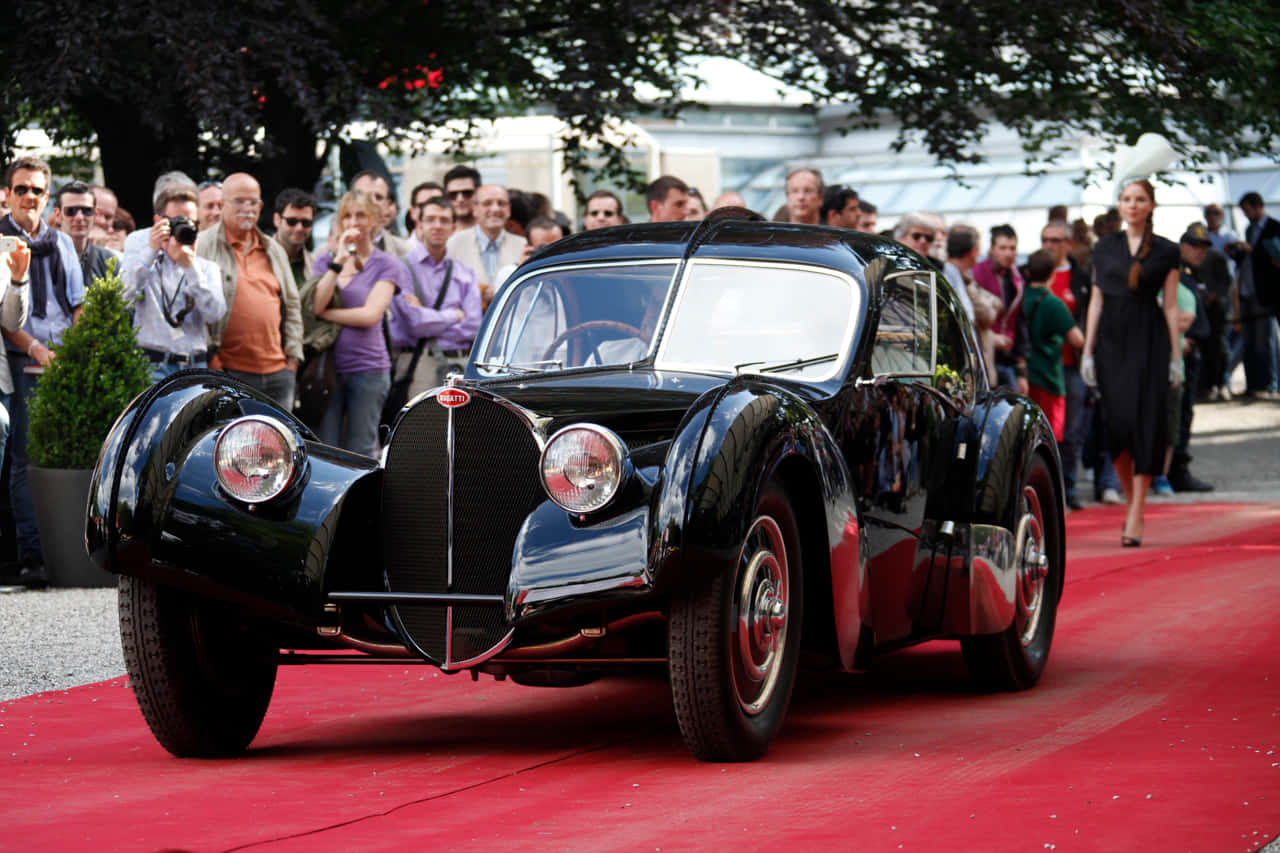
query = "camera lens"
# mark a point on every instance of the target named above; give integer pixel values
(183, 230)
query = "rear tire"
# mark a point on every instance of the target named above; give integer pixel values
(202, 677)
(733, 644)
(1015, 658)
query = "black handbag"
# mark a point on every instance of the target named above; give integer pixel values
(398, 395)
(317, 382)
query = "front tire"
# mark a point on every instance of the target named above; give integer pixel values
(202, 678)
(733, 645)
(1015, 658)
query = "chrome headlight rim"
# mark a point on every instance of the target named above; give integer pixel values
(619, 449)
(292, 442)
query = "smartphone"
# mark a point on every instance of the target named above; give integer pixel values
(8, 244)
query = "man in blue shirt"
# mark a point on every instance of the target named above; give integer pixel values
(57, 291)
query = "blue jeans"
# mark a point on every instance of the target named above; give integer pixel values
(278, 386)
(1075, 428)
(160, 371)
(24, 511)
(358, 397)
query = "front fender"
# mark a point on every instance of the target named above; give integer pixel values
(156, 510)
(756, 432)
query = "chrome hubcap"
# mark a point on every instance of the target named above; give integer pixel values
(761, 610)
(1033, 566)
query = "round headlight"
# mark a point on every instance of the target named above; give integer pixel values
(255, 458)
(583, 467)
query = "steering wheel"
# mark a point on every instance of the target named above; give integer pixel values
(589, 326)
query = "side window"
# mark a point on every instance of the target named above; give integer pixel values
(955, 371)
(904, 339)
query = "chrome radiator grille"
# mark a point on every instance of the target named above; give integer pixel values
(457, 487)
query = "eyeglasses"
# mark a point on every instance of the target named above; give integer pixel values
(72, 212)
(23, 189)
(247, 203)
(1053, 239)
(295, 221)
(461, 193)
(919, 235)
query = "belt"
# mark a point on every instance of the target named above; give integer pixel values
(156, 356)
(454, 353)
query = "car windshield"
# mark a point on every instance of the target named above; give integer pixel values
(727, 317)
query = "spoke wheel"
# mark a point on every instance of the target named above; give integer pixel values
(202, 677)
(1015, 658)
(1033, 567)
(734, 643)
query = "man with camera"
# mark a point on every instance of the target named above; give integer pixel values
(176, 294)
(56, 288)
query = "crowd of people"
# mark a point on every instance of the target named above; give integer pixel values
(345, 334)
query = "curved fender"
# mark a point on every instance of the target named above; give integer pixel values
(560, 565)
(752, 432)
(156, 509)
(1014, 430)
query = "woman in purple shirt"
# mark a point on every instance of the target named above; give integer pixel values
(366, 278)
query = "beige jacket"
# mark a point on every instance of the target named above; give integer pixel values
(212, 244)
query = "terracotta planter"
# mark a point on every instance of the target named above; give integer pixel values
(61, 497)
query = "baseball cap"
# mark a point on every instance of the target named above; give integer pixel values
(1196, 235)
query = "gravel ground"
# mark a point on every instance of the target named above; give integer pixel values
(56, 639)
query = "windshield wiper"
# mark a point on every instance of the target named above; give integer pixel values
(781, 367)
(517, 368)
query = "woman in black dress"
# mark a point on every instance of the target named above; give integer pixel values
(1133, 338)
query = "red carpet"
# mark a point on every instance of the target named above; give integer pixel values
(1155, 728)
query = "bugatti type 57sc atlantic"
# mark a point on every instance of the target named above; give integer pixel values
(724, 449)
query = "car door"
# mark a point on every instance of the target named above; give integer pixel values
(906, 443)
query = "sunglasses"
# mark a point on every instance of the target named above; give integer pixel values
(295, 221)
(918, 235)
(1053, 239)
(72, 212)
(461, 193)
(23, 189)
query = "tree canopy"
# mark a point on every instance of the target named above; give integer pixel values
(266, 85)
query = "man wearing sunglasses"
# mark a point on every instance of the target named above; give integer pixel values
(460, 185)
(74, 210)
(295, 213)
(56, 291)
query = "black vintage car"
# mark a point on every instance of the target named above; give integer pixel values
(725, 449)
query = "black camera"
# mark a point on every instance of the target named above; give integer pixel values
(183, 230)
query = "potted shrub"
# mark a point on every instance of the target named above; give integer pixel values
(99, 369)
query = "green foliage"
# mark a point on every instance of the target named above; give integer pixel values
(98, 371)
(272, 84)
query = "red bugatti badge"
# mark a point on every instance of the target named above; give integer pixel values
(452, 398)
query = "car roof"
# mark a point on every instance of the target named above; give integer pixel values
(723, 234)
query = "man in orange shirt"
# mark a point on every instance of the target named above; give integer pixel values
(259, 339)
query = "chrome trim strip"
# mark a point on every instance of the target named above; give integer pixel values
(418, 597)
(484, 656)
(448, 640)
(448, 450)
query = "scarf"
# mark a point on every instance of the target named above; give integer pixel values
(46, 267)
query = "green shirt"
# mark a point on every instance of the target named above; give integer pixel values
(1048, 322)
